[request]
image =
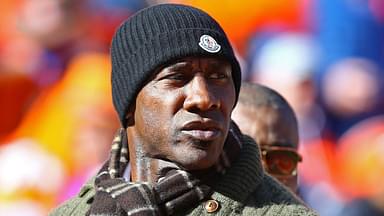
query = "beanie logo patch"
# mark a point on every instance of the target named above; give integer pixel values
(209, 44)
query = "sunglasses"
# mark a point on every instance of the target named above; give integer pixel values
(280, 161)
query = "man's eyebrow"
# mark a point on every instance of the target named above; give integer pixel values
(217, 62)
(178, 65)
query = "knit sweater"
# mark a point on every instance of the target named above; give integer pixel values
(245, 189)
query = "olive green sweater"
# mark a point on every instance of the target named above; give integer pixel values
(244, 190)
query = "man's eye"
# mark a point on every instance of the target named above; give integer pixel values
(175, 77)
(218, 76)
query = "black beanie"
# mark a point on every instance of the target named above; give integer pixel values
(158, 35)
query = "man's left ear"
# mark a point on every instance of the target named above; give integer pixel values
(130, 116)
(130, 119)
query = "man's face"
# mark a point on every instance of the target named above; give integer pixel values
(269, 128)
(182, 114)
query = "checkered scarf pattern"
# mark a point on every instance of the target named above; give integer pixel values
(174, 193)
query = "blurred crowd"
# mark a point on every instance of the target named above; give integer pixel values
(57, 121)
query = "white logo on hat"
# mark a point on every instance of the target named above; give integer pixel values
(209, 44)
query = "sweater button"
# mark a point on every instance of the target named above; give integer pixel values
(211, 206)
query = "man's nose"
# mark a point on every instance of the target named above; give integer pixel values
(200, 96)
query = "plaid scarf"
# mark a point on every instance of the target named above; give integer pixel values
(174, 193)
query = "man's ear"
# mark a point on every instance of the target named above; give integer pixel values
(130, 119)
(130, 116)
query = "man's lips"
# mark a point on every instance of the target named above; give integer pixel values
(201, 130)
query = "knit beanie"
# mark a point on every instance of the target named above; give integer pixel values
(156, 36)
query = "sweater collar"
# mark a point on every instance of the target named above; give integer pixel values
(244, 175)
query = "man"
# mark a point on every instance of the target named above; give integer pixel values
(175, 81)
(266, 116)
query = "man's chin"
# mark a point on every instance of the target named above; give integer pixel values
(196, 159)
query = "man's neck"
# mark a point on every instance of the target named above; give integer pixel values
(143, 167)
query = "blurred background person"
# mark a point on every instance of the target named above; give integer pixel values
(350, 93)
(361, 162)
(287, 62)
(266, 116)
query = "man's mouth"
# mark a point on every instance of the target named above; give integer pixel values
(205, 131)
(205, 135)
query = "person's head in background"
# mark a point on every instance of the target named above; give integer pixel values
(287, 62)
(350, 91)
(265, 115)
